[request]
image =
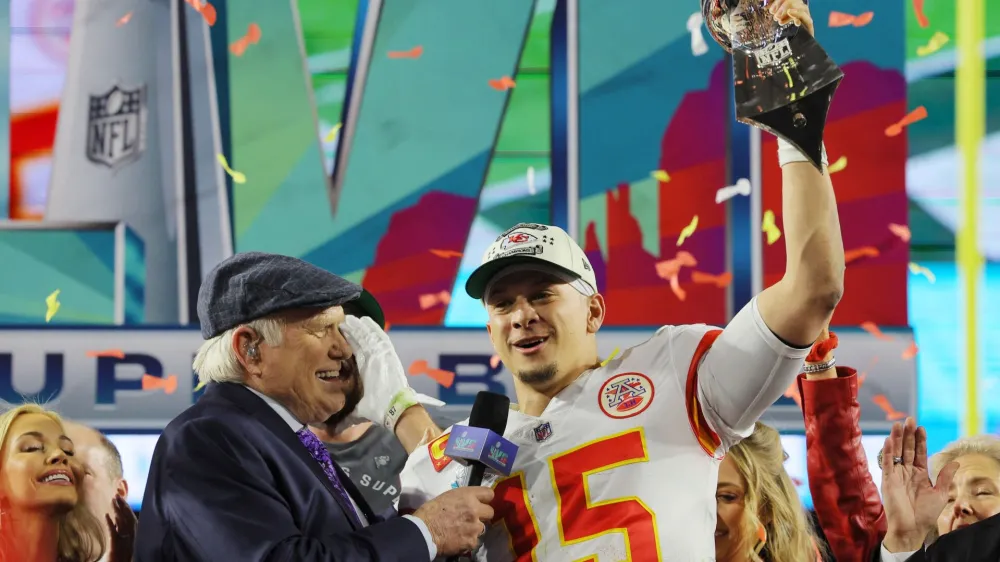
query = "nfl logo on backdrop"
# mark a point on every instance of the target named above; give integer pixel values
(625, 395)
(116, 126)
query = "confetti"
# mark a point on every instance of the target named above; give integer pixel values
(442, 377)
(698, 45)
(123, 20)
(503, 84)
(721, 281)
(52, 305)
(661, 175)
(872, 329)
(252, 37)
(238, 177)
(741, 187)
(433, 299)
(107, 353)
(531, 180)
(938, 40)
(200, 386)
(168, 384)
(839, 165)
(670, 268)
(918, 10)
(858, 253)
(688, 230)
(910, 352)
(891, 413)
(918, 269)
(675, 286)
(793, 392)
(902, 231)
(332, 134)
(912, 117)
(446, 253)
(206, 10)
(768, 227)
(494, 361)
(387, 326)
(610, 357)
(840, 19)
(413, 53)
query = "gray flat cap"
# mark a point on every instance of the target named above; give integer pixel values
(251, 285)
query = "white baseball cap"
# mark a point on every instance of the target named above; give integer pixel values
(530, 245)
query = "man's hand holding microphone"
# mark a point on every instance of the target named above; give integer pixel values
(457, 518)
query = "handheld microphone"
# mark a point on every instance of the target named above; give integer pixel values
(481, 443)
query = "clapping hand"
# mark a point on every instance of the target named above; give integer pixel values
(122, 531)
(912, 504)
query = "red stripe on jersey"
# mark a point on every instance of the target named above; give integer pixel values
(707, 438)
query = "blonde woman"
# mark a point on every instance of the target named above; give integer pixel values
(759, 516)
(41, 517)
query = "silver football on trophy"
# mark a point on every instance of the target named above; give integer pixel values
(744, 25)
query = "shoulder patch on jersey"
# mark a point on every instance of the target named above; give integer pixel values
(435, 449)
(625, 395)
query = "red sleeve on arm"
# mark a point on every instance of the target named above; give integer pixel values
(845, 497)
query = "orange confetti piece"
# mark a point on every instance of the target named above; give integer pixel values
(918, 10)
(206, 10)
(910, 352)
(840, 19)
(123, 20)
(675, 286)
(107, 353)
(387, 325)
(434, 299)
(858, 253)
(168, 384)
(861, 379)
(902, 231)
(503, 84)
(912, 117)
(446, 253)
(872, 329)
(494, 361)
(413, 53)
(793, 393)
(891, 413)
(442, 377)
(721, 281)
(252, 37)
(670, 268)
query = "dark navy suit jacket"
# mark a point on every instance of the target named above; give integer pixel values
(230, 481)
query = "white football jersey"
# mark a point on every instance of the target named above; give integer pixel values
(621, 465)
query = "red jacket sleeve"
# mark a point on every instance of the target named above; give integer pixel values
(845, 497)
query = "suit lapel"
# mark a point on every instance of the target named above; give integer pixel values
(260, 410)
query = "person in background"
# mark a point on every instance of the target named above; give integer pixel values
(41, 516)
(103, 486)
(759, 515)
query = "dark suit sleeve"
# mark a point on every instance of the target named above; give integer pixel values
(219, 499)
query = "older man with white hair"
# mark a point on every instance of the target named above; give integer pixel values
(239, 476)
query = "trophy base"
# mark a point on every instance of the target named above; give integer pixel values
(786, 89)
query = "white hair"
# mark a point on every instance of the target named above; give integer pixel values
(986, 445)
(216, 360)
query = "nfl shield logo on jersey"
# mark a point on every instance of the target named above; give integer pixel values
(116, 126)
(625, 395)
(543, 432)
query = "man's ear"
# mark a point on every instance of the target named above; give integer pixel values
(246, 346)
(122, 489)
(595, 313)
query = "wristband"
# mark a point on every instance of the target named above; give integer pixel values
(403, 399)
(787, 153)
(822, 348)
(813, 368)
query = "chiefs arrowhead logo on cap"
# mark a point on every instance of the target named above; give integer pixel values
(436, 451)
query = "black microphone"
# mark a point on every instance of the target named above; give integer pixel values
(489, 412)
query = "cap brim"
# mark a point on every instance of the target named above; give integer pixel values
(367, 303)
(475, 286)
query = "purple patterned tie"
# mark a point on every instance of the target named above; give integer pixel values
(322, 456)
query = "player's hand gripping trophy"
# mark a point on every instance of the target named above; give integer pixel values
(783, 80)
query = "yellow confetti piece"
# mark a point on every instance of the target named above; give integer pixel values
(688, 230)
(938, 40)
(332, 134)
(918, 269)
(661, 175)
(610, 357)
(839, 165)
(238, 177)
(770, 228)
(51, 305)
(200, 386)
